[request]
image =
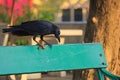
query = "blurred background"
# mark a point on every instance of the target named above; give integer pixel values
(51, 10)
(69, 15)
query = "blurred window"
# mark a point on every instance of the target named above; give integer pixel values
(77, 14)
(66, 15)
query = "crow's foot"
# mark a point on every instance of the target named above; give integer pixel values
(41, 46)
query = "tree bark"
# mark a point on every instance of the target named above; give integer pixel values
(104, 27)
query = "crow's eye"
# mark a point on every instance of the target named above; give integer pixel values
(57, 32)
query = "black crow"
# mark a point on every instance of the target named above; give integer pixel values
(35, 28)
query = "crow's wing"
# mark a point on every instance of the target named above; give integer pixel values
(37, 27)
(20, 33)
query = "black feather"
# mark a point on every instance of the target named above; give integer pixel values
(34, 28)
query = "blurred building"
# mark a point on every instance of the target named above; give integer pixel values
(73, 10)
(66, 10)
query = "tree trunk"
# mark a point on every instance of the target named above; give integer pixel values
(104, 27)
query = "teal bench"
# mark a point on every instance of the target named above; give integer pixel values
(30, 59)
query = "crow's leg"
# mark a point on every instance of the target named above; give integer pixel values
(41, 37)
(34, 38)
(42, 43)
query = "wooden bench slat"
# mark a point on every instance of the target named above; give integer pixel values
(30, 59)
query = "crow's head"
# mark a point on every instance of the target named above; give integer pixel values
(57, 34)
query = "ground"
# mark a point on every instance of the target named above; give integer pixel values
(49, 77)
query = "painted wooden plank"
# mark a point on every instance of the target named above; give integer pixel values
(30, 59)
(69, 32)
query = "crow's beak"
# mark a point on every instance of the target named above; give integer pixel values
(58, 39)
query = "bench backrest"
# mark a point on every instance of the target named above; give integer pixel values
(30, 59)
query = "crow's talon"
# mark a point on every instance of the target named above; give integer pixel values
(43, 47)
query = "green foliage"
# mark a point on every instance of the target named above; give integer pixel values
(45, 12)
(49, 8)
(4, 18)
(27, 15)
(46, 15)
(21, 42)
(3, 15)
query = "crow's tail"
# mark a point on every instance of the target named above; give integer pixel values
(5, 30)
(11, 29)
